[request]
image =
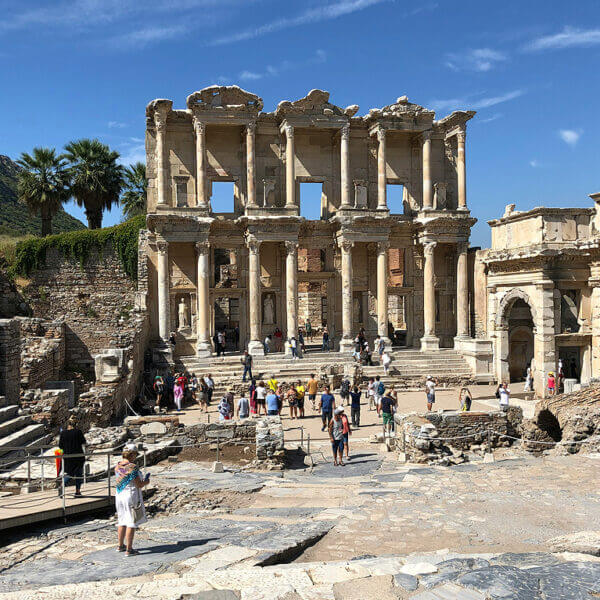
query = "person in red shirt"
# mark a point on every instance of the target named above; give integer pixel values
(346, 430)
(551, 383)
(278, 339)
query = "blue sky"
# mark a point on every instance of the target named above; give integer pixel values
(87, 68)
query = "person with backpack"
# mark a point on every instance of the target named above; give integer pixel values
(355, 406)
(159, 390)
(465, 399)
(379, 391)
(225, 407)
(327, 406)
(345, 390)
(387, 408)
(246, 361)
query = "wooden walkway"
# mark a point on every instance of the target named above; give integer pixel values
(27, 509)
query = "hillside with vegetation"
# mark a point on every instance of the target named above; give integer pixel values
(15, 218)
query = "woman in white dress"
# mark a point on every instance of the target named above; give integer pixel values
(129, 501)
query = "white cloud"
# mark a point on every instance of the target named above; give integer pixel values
(143, 37)
(250, 75)
(473, 103)
(132, 153)
(570, 136)
(568, 38)
(116, 125)
(475, 59)
(319, 56)
(494, 117)
(313, 15)
(534, 163)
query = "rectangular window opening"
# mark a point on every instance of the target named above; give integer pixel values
(395, 198)
(311, 195)
(222, 197)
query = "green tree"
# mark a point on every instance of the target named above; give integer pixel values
(95, 177)
(133, 199)
(43, 184)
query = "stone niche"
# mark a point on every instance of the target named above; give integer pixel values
(109, 365)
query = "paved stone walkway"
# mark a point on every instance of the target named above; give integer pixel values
(373, 529)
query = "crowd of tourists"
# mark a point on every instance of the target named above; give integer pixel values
(175, 389)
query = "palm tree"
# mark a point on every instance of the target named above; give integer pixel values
(133, 199)
(96, 177)
(43, 184)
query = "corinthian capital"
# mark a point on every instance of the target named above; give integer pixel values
(162, 246)
(346, 245)
(251, 128)
(289, 132)
(429, 248)
(461, 136)
(199, 126)
(253, 244)
(462, 247)
(383, 247)
(345, 132)
(381, 135)
(160, 120)
(202, 248)
(291, 246)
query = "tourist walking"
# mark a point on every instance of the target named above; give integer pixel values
(301, 341)
(326, 406)
(246, 361)
(72, 441)
(465, 399)
(379, 388)
(385, 361)
(194, 386)
(179, 390)
(336, 436)
(159, 390)
(278, 339)
(371, 393)
(345, 391)
(294, 348)
(261, 395)
(267, 345)
(221, 338)
(252, 397)
(347, 432)
(355, 406)
(203, 394)
(312, 385)
(292, 399)
(272, 383)
(504, 396)
(430, 392)
(308, 328)
(243, 407)
(225, 407)
(551, 384)
(272, 403)
(325, 339)
(387, 407)
(210, 388)
(129, 500)
(300, 394)
(379, 346)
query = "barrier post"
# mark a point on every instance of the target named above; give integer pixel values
(108, 472)
(302, 437)
(64, 496)
(42, 470)
(28, 472)
(218, 455)
(308, 444)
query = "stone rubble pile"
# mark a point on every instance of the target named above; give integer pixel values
(48, 407)
(269, 440)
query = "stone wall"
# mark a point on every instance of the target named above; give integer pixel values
(49, 407)
(12, 302)
(10, 361)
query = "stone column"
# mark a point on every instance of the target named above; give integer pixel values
(429, 341)
(160, 121)
(200, 131)
(427, 186)
(346, 250)
(345, 166)
(381, 171)
(461, 170)
(250, 164)
(291, 285)
(203, 346)
(255, 345)
(382, 291)
(543, 341)
(594, 283)
(164, 309)
(290, 168)
(462, 291)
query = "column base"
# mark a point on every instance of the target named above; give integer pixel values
(346, 345)
(430, 343)
(203, 349)
(460, 340)
(256, 348)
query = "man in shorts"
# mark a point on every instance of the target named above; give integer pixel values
(336, 436)
(327, 406)
(388, 407)
(430, 392)
(312, 387)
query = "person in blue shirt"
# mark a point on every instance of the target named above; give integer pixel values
(327, 406)
(272, 403)
(355, 406)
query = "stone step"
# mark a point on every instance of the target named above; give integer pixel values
(14, 458)
(12, 425)
(8, 412)
(22, 437)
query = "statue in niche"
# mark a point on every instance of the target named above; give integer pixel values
(183, 313)
(439, 195)
(356, 310)
(269, 310)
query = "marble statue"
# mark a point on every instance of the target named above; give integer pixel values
(269, 311)
(184, 320)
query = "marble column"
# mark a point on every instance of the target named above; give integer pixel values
(164, 308)
(250, 164)
(427, 185)
(255, 345)
(381, 170)
(382, 291)
(290, 168)
(462, 291)
(160, 121)
(345, 166)
(544, 343)
(346, 342)
(461, 171)
(291, 286)
(429, 341)
(200, 131)
(203, 346)
(594, 283)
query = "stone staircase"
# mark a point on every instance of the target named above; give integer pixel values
(409, 366)
(19, 431)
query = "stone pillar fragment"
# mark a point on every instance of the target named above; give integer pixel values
(594, 283)
(290, 168)
(346, 342)
(429, 341)
(427, 185)
(461, 171)
(382, 291)
(255, 345)
(544, 343)
(462, 291)
(345, 166)
(200, 131)
(203, 346)
(164, 309)
(250, 164)
(160, 121)
(291, 281)
(381, 170)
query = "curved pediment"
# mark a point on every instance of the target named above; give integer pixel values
(316, 102)
(224, 97)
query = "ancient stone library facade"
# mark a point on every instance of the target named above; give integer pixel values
(398, 269)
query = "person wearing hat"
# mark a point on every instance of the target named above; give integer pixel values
(72, 441)
(430, 391)
(551, 383)
(129, 500)
(336, 436)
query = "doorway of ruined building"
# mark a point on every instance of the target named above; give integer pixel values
(312, 199)
(396, 197)
(571, 360)
(227, 319)
(521, 341)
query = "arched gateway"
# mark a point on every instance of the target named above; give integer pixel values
(264, 267)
